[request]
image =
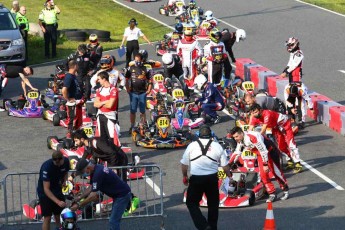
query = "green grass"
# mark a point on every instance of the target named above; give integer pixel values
(87, 14)
(335, 5)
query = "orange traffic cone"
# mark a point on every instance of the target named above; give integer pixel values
(269, 222)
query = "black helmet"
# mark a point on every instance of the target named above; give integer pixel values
(144, 55)
(205, 131)
(179, 28)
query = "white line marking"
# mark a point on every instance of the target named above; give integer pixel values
(339, 14)
(342, 71)
(153, 186)
(327, 179)
(322, 176)
(224, 22)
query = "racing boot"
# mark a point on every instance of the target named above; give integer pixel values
(216, 120)
(298, 168)
(271, 198)
(290, 165)
(285, 196)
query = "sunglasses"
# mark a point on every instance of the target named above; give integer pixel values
(57, 159)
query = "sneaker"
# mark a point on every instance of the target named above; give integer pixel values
(285, 196)
(216, 120)
(2, 109)
(290, 165)
(301, 125)
(271, 198)
(298, 168)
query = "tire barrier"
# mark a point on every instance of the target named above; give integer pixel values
(325, 110)
(83, 34)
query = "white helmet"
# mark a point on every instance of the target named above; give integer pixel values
(240, 35)
(168, 60)
(209, 15)
(200, 81)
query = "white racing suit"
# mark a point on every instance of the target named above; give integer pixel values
(217, 60)
(299, 101)
(189, 51)
(294, 66)
(114, 77)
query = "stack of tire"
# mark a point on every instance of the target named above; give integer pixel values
(82, 35)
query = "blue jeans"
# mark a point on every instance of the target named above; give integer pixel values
(211, 108)
(137, 99)
(119, 206)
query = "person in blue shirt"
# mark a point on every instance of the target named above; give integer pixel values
(211, 100)
(53, 174)
(106, 181)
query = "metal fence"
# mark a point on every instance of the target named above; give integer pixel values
(20, 198)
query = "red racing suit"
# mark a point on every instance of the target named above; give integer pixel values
(294, 66)
(267, 155)
(282, 131)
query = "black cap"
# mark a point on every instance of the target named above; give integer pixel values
(81, 165)
(133, 20)
(205, 131)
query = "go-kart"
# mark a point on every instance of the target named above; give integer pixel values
(142, 0)
(158, 83)
(168, 45)
(203, 30)
(31, 107)
(175, 10)
(163, 139)
(56, 83)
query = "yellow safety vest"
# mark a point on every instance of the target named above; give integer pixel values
(21, 19)
(49, 17)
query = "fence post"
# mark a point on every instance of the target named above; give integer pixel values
(3, 182)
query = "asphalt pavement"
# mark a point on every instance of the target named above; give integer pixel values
(314, 202)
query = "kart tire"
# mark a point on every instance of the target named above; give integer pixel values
(56, 120)
(100, 33)
(59, 147)
(67, 143)
(104, 39)
(4, 103)
(251, 196)
(77, 39)
(34, 203)
(62, 114)
(48, 141)
(76, 33)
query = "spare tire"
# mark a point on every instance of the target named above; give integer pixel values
(100, 33)
(78, 39)
(104, 39)
(76, 33)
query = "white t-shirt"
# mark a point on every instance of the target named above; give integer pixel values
(204, 165)
(133, 34)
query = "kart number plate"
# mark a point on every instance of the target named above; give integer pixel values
(88, 131)
(221, 174)
(247, 154)
(33, 95)
(165, 145)
(205, 25)
(163, 122)
(179, 4)
(148, 67)
(248, 85)
(158, 78)
(245, 127)
(178, 93)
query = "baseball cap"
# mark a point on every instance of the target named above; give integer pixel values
(81, 165)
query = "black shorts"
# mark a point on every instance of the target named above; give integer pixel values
(48, 207)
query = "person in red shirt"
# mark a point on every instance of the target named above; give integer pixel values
(280, 124)
(106, 101)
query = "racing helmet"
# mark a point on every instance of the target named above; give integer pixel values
(292, 44)
(188, 34)
(144, 55)
(240, 35)
(107, 62)
(179, 28)
(205, 131)
(215, 36)
(200, 81)
(192, 4)
(208, 15)
(68, 219)
(168, 60)
(93, 38)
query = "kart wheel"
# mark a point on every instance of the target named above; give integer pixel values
(251, 196)
(59, 147)
(4, 103)
(49, 145)
(62, 114)
(56, 120)
(67, 143)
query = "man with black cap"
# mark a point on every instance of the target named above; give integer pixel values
(204, 156)
(53, 174)
(106, 181)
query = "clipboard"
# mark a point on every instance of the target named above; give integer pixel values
(121, 51)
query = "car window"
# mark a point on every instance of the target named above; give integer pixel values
(7, 22)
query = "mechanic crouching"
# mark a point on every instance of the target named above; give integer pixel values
(211, 99)
(203, 156)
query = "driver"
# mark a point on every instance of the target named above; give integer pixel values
(267, 156)
(211, 99)
(173, 67)
(229, 39)
(210, 19)
(68, 220)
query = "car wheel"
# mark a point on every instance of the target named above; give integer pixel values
(251, 196)
(56, 120)
(49, 138)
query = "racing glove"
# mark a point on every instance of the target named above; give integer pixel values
(185, 180)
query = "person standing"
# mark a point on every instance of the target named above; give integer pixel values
(203, 156)
(53, 175)
(23, 23)
(47, 19)
(106, 181)
(138, 85)
(95, 50)
(131, 35)
(72, 93)
(15, 7)
(229, 39)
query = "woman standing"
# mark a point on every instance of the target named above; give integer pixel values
(132, 34)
